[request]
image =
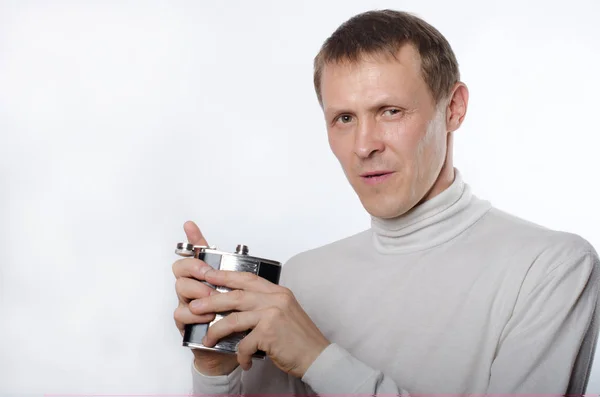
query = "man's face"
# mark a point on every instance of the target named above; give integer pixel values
(385, 130)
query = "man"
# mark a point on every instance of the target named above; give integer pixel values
(444, 294)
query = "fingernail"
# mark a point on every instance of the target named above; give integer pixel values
(197, 304)
(201, 270)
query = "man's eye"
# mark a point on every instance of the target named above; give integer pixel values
(345, 118)
(392, 112)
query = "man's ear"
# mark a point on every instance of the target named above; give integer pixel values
(457, 106)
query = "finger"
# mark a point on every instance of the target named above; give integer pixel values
(188, 289)
(232, 300)
(193, 233)
(233, 322)
(246, 348)
(240, 280)
(190, 267)
(183, 316)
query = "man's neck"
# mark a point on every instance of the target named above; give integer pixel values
(443, 182)
(435, 221)
(446, 176)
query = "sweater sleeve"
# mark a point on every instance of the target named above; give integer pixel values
(264, 378)
(552, 332)
(551, 336)
(336, 372)
(217, 385)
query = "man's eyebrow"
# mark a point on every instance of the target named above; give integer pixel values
(333, 110)
(387, 102)
(378, 104)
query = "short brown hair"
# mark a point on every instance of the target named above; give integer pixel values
(385, 32)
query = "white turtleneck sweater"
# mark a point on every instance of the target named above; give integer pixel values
(455, 297)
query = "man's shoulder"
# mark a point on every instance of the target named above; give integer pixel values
(507, 231)
(332, 249)
(539, 256)
(317, 258)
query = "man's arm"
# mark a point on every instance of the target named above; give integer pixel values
(214, 385)
(539, 347)
(264, 378)
(334, 372)
(552, 319)
(537, 352)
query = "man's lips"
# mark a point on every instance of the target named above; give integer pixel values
(375, 177)
(371, 174)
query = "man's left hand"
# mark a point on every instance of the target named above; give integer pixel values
(280, 327)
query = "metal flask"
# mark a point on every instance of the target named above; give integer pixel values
(238, 261)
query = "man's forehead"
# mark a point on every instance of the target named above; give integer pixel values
(371, 79)
(406, 55)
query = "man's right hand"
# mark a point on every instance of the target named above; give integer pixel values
(187, 271)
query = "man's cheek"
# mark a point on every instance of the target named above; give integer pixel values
(340, 151)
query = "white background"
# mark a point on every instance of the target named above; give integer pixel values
(121, 120)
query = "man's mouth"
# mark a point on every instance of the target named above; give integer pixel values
(375, 174)
(375, 177)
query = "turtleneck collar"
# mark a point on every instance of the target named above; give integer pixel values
(431, 223)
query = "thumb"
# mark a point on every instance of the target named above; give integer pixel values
(193, 233)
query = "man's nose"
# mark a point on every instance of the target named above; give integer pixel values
(368, 139)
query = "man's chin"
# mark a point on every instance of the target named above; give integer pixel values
(382, 211)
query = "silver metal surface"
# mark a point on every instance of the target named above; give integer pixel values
(214, 349)
(187, 249)
(202, 347)
(183, 251)
(237, 264)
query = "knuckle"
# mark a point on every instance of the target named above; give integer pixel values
(191, 289)
(178, 314)
(244, 348)
(182, 267)
(287, 291)
(286, 298)
(175, 267)
(205, 291)
(180, 285)
(237, 295)
(247, 276)
(234, 320)
(273, 313)
(199, 263)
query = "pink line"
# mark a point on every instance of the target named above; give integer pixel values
(313, 395)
